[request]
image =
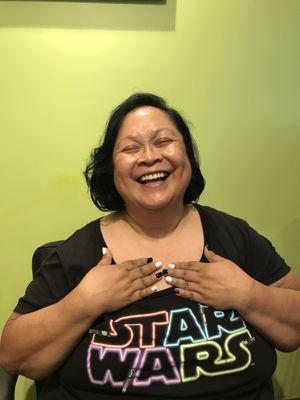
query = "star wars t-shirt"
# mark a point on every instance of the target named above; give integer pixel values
(163, 346)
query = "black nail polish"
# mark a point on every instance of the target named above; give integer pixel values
(149, 260)
(165, 272)
(158, 275)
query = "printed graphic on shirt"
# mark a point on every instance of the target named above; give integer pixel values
(169, 347)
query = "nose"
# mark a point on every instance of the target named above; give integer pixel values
(149, 156)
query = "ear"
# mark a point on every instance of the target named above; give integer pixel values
(211, 256)
(106, 258)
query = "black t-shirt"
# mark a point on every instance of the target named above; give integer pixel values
(163, 346)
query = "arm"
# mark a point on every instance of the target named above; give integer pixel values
(36, 344)
(272, 310)
(275, 311)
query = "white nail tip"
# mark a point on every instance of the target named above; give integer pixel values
(154, 288)
(158, 264)
(169, 279)
(171, 266)
(104, 250)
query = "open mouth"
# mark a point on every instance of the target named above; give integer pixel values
(157, 176)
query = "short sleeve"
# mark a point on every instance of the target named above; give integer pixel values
(48, 287)
(263, 262)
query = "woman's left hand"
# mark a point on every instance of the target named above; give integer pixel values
(220, 283)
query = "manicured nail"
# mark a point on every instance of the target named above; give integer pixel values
(158, 264)
(165, 272)
(153, 288)
(104, 250)
(169, 279)
(149, 260)
(172, 266)
(158, 275)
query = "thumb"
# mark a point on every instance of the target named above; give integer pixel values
(211, 256)
(106, 257)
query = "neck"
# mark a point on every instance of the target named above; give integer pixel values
(155, 223)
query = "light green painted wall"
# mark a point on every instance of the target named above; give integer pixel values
(231, 66)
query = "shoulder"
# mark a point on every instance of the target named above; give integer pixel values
(220, 219)
(226, 234)
(84, 245)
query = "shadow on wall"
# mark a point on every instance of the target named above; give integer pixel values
(30, 395)
(278, 392)
(288, 237)
(152, 15)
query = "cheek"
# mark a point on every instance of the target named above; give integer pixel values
(179, 158)
(122, 168)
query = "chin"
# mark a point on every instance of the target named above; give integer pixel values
(158, 204)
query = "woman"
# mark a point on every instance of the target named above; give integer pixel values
(177, 320)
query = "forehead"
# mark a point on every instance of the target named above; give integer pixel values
(146, 120)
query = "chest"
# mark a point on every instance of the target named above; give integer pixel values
(125, 244)
(183, 245)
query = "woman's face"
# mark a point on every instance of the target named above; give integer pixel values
(151, 167)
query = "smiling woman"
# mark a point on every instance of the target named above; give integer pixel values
(151, 167)
(155, 313)
(140, 128)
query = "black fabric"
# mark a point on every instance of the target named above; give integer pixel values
(163, 337)
(41, 253)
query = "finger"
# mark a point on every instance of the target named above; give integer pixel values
(140, 294)
(189, 294)
(145, 282)
(211, 256)
(193, 266)
(185, 274)
(142, 271)
(182, 284)
(132, 264)
(106, 257)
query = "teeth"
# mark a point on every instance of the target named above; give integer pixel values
(152, 176)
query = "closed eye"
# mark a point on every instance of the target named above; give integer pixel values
(163, 142)
(130, 149)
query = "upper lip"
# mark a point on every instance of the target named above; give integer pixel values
(153, 172)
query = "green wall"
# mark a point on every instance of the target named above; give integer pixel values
(231, 66)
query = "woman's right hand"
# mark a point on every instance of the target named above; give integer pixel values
(106, 287)
(49, 338)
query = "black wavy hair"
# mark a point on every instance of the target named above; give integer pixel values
(99, 173)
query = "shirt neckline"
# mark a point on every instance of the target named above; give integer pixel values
(204, 224)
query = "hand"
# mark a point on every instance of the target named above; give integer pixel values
(106, 288)
(220, 283)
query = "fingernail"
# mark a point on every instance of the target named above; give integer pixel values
(149, 260)
(104, 250)
(165, 272)
(158, 264)
(168, 279)
(207, 246)
(172, 266)
(158, 275)
(176, 290)
(153, 288)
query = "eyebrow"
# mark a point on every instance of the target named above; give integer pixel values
(134, 136)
